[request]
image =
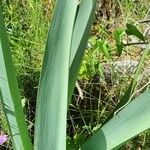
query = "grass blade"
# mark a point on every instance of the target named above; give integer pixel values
(53, 88)
(10, 97)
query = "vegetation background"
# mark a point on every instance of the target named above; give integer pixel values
(104, 76)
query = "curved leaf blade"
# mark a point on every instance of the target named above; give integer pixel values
(80, 37)
(129, 122)
(125, 99)
(9, 94)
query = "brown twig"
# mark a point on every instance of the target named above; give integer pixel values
(145, 21)
(135, 43)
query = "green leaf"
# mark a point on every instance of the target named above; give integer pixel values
(132, 30)
(79, 40)
(118, 35)
(124, 100)
(101, 72)
(123, 126)
(9, 95)
(103, 46)
(51, 110)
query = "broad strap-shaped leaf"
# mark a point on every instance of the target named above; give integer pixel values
(84, 18)
(129, 122)
(51, 113)
(9, 95)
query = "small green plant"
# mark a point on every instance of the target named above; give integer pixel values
(64, 51)
(118, 36)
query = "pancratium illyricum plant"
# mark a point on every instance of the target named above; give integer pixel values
(67, 39)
